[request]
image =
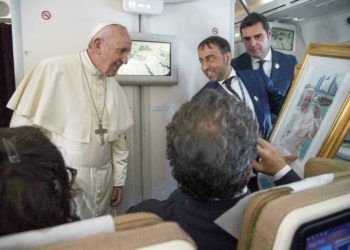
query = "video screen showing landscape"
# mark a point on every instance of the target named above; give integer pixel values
(282, 39)
(148, 59)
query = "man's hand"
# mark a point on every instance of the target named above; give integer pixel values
(271, 161)
(317, 111)
(290, 158)
(297, 69)
(117, 196)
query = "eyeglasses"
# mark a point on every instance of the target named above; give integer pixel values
(12, 154)
(72, 174)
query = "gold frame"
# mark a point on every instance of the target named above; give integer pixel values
(341, 124)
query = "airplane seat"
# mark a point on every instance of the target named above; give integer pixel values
(128, 231)
(268, 220)
(319, 165)
(310, 214)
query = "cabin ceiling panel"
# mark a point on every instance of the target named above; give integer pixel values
(311, 10)
(292, 11)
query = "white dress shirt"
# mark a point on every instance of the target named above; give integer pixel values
(235, 86)
(267, 64)
(249, 103)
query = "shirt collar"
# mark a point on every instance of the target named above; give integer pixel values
(268, 57)
(89, 66)
(244, 191)
(232, 73)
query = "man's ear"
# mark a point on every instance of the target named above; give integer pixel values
(228, 57)
(96, 44)
(269, 34)
(250, 173)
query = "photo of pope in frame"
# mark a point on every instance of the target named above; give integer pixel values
(315, 116)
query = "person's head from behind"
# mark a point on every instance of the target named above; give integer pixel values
(211, 144)
(308, 95)
(34, 190)
(214, 54)
(109, 48)
(256, 33)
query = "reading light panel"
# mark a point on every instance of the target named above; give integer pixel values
(150, 7)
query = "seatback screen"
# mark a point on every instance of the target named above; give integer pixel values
(328, 233)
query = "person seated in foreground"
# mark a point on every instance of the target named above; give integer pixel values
(34, 187)
(212, 145)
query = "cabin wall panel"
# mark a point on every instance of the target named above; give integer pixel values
(327, 29)
(191, 22)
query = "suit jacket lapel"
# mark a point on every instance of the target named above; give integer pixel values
(274, 71)
(247, 62)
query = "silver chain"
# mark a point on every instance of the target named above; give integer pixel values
(99, 116)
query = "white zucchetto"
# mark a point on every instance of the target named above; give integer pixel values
(100, 26)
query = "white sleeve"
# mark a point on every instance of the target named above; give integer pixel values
(317, 122)
(20, 120)
(315, 127)
(119, 160)
(281, 173)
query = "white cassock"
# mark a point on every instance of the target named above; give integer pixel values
(304, 125)
(54, 95)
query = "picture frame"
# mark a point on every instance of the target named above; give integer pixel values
(315, 117)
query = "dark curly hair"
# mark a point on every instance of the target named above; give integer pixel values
(34, 190)
(211, 143)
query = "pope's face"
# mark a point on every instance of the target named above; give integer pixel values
(307, 98)
(115, 50)
(214, 64)
(256, 40)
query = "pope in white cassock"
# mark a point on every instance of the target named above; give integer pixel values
(81, 107)
(305, 124)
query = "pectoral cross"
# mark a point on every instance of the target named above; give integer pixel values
(101, 131)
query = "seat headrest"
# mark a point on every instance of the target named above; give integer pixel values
(65, 232)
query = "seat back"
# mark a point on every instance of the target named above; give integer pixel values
(135, 231)
(318, 165)
(272, 217)
(129, 231)
(52, 235)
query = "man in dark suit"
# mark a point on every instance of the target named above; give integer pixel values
(212, 142)
(251, 87)
(279, 67)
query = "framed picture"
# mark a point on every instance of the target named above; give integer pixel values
(315, 117)
(344, 150)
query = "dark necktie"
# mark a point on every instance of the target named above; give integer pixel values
(227, 83)
(261, 66)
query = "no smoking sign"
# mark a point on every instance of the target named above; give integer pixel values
(46, 15)
(215, 31)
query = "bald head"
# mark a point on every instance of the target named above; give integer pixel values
(109, 48)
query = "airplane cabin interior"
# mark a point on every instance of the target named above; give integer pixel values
(163, 72)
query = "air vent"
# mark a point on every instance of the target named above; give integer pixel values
(271, 10)
(177, 1)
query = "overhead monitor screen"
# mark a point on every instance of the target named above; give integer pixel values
(148, 58)
(282, 39)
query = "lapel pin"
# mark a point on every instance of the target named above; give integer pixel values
(277, 65)
(256, 98)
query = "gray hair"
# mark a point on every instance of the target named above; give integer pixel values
(211, 143)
